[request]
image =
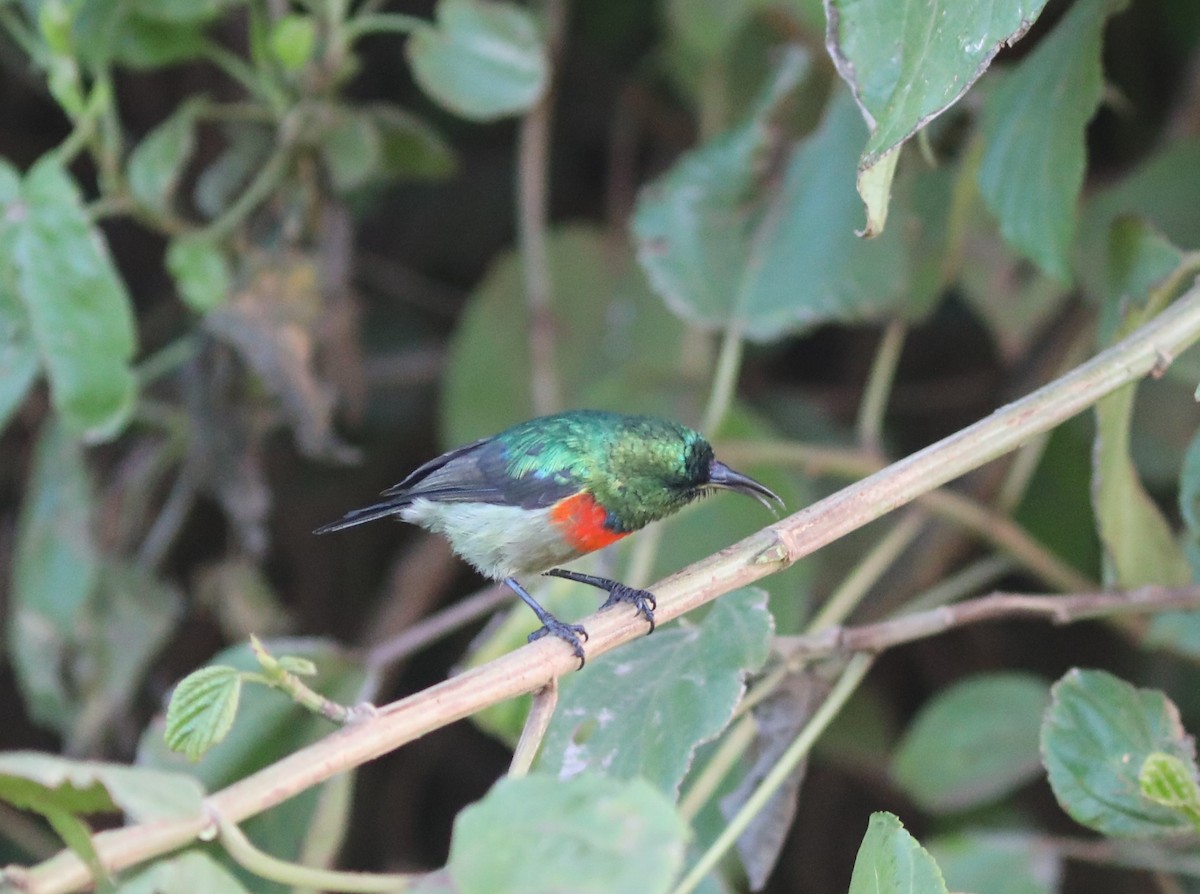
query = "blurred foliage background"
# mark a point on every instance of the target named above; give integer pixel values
(260, 259)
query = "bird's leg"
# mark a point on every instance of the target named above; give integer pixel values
(570, 633)
(642, 600)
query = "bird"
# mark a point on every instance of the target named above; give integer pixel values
(551, 489)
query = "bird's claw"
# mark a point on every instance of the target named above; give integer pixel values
(568, 633)
(642, 600)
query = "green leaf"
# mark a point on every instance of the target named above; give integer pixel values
(55, 571)
(145, 43)
(907, 61)
(126, 622)
(1096, 736)
(1171, 782)
(1163, 190)
(643, 711)
(1033, 125)
(157, 162)
(183, 10)
(725, 246)
(973, 743)
(83, 787)
(248, 146)
(351, 149)
(409, 147)
(18, 353)
(292, 40)
(482, 60)
(891, 861)
(616, 347)
(589, 835)
(202, 710)
(79, 311)
(191, 872)
(997, 862)
(201, 272)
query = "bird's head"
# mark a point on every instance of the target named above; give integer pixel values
(657, 469)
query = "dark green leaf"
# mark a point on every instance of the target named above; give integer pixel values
(79, 311)
(147, 43)
(1034, 124)
(998, 863)
(202, 710)
(157, 162)
(891, 861)
(410, 148)
(201, 272)
(292, 40)
(973, 743)
(191, 872)
(725, 247)
(482, 60)
(183, 10)
(643, 711)
(907, 61)
(1097, 733)
(55, 572)
(83, 787)
(587, 835)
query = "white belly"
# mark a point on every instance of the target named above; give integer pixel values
(500, 541)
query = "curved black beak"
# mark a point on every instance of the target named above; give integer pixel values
(720, 475)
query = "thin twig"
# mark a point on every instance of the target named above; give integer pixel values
(541, 712)
(531, 667)
(1058, 609)
(879, 387)
(533, 212)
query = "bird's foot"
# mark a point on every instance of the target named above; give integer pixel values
(572, 634)
(642, 600)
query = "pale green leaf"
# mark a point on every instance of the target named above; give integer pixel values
(1033, 126)
(18, 353)
(482, 60)
(588, 835)
(82, 787)
(997, 862)
(1096, 736)
(202, 710)
(157, 162)
(973, 742)
(79, 312)
(891, 861)
(190, 872)
(643, 711)
(1167, 780)
(55, 571)
(201, 272)
(292, 39)
(907, 61)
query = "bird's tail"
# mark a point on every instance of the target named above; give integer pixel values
(369, 513)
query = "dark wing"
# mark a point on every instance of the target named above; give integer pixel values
(474, 473)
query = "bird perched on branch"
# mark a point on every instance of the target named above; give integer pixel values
(552, 489)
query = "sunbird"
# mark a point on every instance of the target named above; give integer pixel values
(552, 489)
